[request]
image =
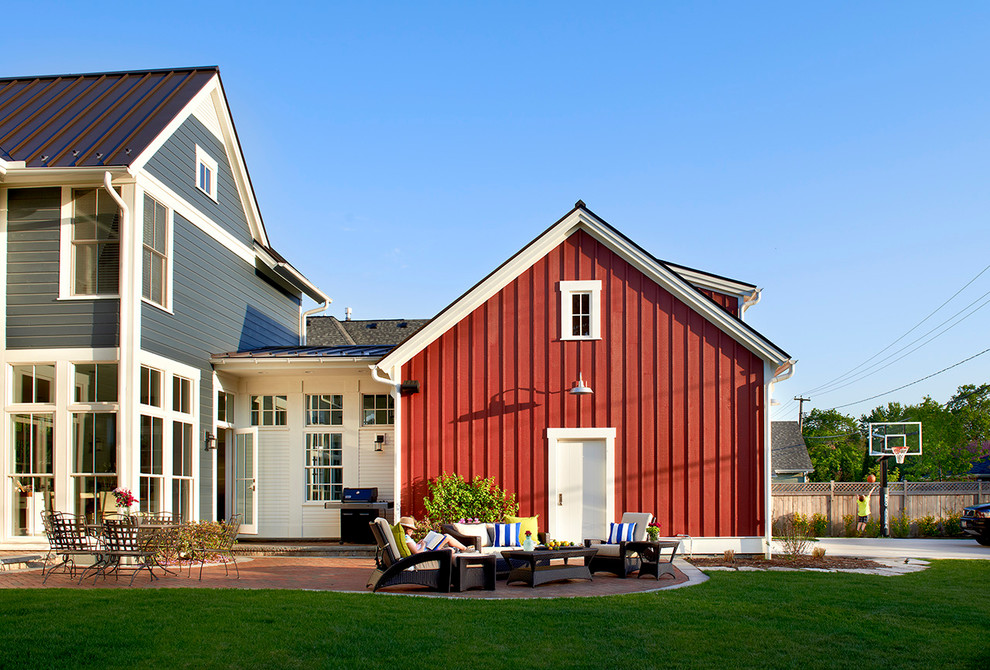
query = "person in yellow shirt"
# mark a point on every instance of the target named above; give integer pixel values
(863, 510)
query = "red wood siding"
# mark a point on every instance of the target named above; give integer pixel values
(729, 303)
(685, 398)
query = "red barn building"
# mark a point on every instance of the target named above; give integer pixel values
(677, 420)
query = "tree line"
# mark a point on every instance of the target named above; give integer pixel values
(954, 437)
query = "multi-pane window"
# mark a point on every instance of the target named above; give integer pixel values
(324, 410)
(181, 394)
(95, 242)
(152, 470)
(225, 407)
(182, 469)
(94, 462)
(155, 261)
(581, 314)
(378, 410)
(324, 467)
(206, 173)
(94, 382)
(32, 474)
(33, 383)
(151, 386)
(268, 410)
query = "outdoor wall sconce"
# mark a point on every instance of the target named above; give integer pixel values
(380, 443)
(211, 441)
(579, 388)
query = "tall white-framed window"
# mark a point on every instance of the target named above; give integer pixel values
(32, 470)
(324, 464)
(155, 266)
(580, 310)
(206, 173)
(94, 462)
(225, 408)
(152, 466)
(94, 244)
(151, 386)
(182, 469)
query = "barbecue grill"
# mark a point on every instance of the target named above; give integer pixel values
(359, 507)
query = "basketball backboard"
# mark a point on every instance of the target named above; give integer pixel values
(886, 438)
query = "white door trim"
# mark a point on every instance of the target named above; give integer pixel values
(246, 528)
(557, 435)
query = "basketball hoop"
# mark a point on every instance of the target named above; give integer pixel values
(899, 453)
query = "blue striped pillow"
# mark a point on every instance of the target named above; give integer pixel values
(507, 534)
(621, 532)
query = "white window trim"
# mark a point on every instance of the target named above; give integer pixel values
(169, 256)
(567, 289)
(65, 252)
(204, 158)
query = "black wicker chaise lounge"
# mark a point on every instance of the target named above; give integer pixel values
(429, 568)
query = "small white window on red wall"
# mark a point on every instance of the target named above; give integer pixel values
(581, 310)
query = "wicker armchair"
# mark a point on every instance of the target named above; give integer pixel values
(429, 568)
(618, 558)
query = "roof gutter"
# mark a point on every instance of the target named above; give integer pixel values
(303, 316)
(752, 299)
(785, 371)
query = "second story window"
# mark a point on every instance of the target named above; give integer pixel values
(580, 310)
(95, 243)
(324, 410)
(206, 173)
(268, 410)
(378, 410)
(155, 260)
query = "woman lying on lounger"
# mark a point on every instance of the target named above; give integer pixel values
(431, 542)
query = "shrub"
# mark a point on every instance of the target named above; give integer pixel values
(729, 555)
(204, 534)
(819, 526)
(900, 526)
(451, 498)
(928, 526)
(792, 538)
(952, 524)
(818, 553)
(849, 525)
(801, 524)
(874, 528)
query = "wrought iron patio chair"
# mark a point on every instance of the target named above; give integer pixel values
(223, 547)
(71, 544)
(128, 546)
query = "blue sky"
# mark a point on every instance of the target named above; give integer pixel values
(834, 154)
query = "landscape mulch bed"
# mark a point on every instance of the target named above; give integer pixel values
(759, 562)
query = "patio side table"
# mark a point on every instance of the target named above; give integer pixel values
(473, 571)
(651, 561)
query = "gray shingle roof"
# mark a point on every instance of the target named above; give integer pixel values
(328, 331)
(787, 448)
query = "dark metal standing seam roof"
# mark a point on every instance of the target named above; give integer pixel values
(351, 351)
(91, 120)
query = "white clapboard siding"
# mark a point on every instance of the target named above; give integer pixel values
(275, 496)
(375, 467)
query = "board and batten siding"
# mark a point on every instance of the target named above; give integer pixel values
(174, 164)
(685, 398)
(220, 304)
(36, 318)
(729, 303)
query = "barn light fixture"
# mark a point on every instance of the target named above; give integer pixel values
(211, 441)
(579, 388)
(380, 443)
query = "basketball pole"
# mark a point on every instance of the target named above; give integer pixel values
(884, 513)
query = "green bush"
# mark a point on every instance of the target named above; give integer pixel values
(900, 526)
(819, 526)
(451, 498)
(203, 534)
(952, 524)
(874, 528)
(928, 526)
(849, 525)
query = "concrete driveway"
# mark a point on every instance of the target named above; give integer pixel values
(900, 547)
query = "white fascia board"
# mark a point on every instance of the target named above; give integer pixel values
(580, 219)
(212, 90)
(712, 282)
(283, 268)
(66, 176)
(240, 366)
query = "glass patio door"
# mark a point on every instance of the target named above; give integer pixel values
(245, 462)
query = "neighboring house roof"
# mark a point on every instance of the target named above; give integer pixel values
(100, 119)
(329, 331)
(581, 218)
(981, 468)
(788, 452)
(349, 351)
(117, 120)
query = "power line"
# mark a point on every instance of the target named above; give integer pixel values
(915, 381)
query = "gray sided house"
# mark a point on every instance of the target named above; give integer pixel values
(133, 251)
(789, 460)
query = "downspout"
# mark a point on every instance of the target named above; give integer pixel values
(752, 299)
(127, 340)
(784, 371)
(304, 315)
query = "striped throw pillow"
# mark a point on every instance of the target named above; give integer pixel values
(507, 535)
(621, 532)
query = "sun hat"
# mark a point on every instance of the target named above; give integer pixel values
(408, 522)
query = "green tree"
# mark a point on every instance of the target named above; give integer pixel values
(835, 445)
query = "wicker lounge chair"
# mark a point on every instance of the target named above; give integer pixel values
(429, 568)
(617, 558)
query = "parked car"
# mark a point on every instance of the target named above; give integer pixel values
(976, 522)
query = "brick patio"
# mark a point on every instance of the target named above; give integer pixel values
(320, 573)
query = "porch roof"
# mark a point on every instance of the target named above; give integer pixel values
(346, 351)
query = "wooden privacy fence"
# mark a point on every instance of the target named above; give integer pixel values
(838, 499)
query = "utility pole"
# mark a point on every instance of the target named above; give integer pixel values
(801, 402)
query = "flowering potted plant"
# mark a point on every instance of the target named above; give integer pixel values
(124, 499)
(653, 531)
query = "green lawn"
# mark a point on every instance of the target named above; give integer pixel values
(932, 619)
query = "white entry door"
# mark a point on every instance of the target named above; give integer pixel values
(581, 483)
(245, 466)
